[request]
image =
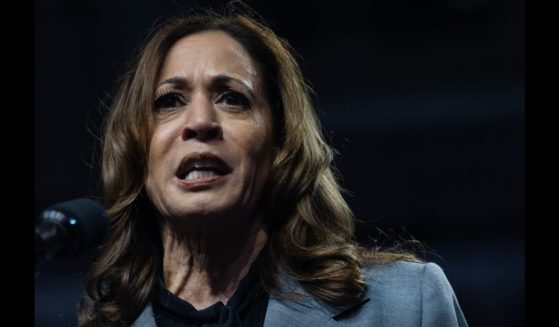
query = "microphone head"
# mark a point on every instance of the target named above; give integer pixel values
(68, 228)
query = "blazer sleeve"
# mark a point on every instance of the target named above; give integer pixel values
(440, 307)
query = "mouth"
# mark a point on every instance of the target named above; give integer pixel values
(201, 166)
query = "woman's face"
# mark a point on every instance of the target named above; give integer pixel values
(212, 147)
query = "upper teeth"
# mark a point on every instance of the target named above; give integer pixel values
(205, 163)
(195, 174)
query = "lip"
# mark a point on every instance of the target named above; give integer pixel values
(201, 184)
(188, 162)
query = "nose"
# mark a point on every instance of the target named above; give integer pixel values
(201, 121)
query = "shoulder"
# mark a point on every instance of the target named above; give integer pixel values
(405, 274)
(398, 294)
(413, 291)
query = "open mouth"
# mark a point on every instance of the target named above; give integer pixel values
(201, 167)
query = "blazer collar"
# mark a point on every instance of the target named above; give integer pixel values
(306, 307)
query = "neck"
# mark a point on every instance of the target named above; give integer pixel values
(205, 264)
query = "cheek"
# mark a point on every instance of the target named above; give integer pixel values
(259, 148)
(159, 145)
(150, 188)
(151, 175)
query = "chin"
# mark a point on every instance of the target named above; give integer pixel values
(202, 208)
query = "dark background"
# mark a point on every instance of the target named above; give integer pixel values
(424, 100)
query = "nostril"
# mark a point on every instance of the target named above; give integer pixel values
(202, 133)
(189, 134)
(213, 133)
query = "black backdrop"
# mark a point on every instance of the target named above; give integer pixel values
(424, 101)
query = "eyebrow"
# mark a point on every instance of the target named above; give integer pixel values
(218, 79)
(177, 80)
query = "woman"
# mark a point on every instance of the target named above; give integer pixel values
(225, 210)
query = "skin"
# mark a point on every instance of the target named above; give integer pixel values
(209, 99)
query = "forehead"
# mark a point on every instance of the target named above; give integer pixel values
(208, 53)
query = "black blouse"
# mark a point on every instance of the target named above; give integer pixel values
(247, 306)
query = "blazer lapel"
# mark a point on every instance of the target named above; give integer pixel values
(307, 311)
(146, 318)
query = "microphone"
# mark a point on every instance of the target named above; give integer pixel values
(66, 229)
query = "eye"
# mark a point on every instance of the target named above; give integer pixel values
(169, 100)
(234, 99)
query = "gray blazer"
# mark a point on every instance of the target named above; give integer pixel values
(399, 294)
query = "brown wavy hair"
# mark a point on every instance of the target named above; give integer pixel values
(309, 223)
